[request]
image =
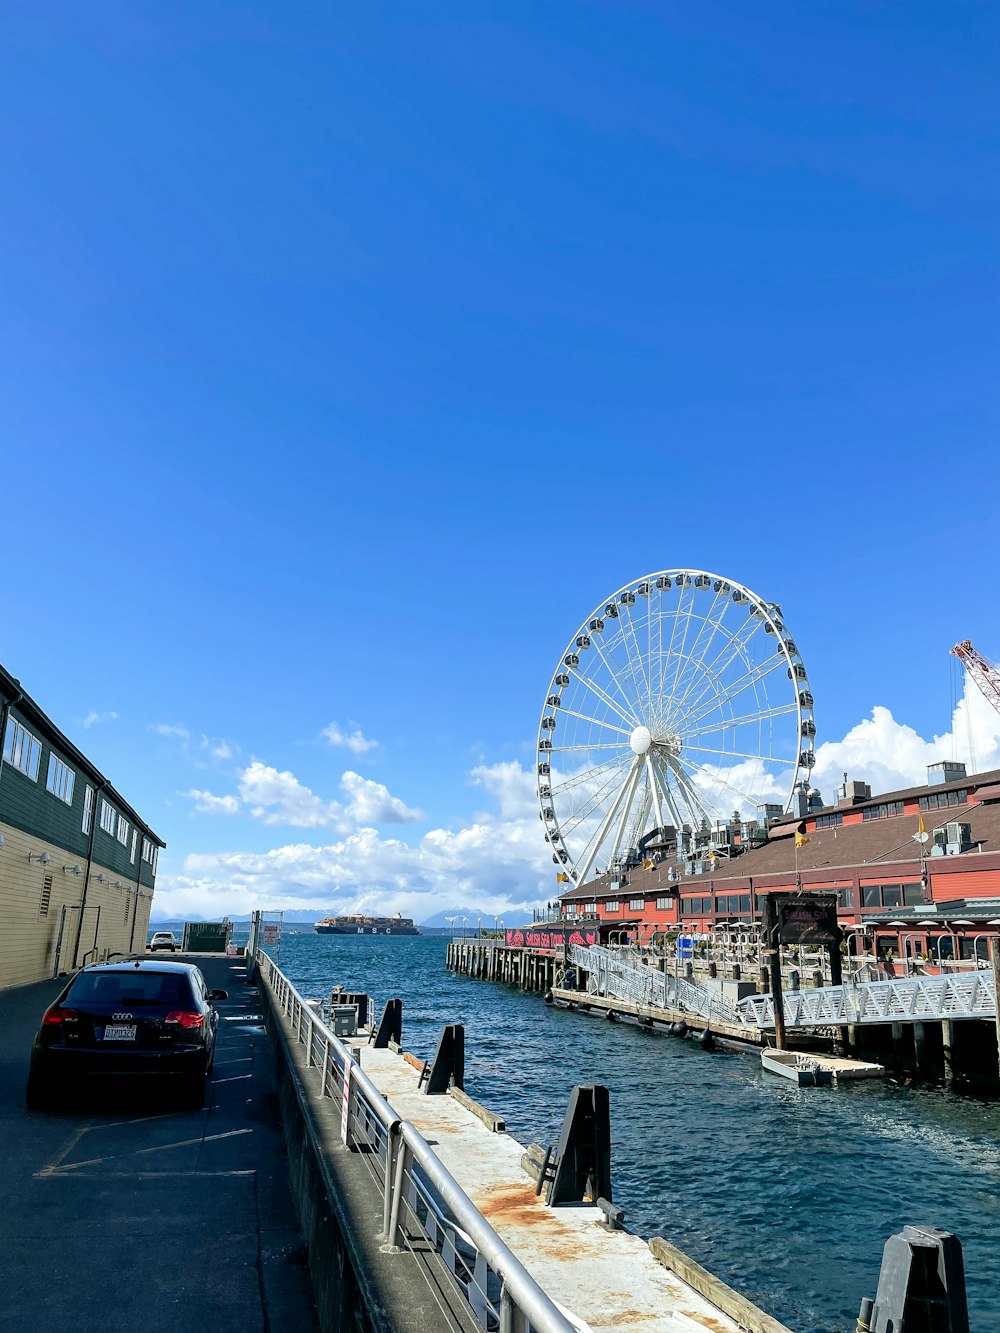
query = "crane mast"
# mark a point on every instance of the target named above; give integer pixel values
(986, 676)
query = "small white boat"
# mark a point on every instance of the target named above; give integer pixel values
(801, 1069)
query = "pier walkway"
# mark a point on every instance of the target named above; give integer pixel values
(921, 999)
(129, 1216)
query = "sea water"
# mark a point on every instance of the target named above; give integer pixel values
(787, 1193)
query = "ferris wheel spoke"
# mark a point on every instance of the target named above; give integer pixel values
(713, 671)
(630, 714)
(638, 656)
(588, 774)
(697, 661)
(739, 754)
(738, 687)
(697, 808)
(590, 806)
(590, 850)
(629, 719)
(597, 722)
(681, 655)
(565, 749)
(717, 780)
(730, 723)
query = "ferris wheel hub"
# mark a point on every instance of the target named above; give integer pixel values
(672, 743)
(640, 740)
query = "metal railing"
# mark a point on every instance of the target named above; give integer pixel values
(615, 976)
(903, 1000)
(423, 1205)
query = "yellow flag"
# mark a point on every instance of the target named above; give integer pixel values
(800, 835)
(648, 863)
(562, 879)
(920, 825)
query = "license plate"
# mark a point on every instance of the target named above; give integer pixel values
(120, 1032)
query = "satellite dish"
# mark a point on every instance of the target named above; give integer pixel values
(921, 837)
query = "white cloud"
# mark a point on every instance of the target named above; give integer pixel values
(499, 860)
(498, 864)
(171, 729)
(206, 803)
(355, 741)
(277, 798)
(94, 717)
(891, 755)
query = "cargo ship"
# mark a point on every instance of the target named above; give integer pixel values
(357, 924)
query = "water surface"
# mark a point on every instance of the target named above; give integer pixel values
(787, 1193)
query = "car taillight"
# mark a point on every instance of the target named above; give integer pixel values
(186, 1018)
(53, 1017)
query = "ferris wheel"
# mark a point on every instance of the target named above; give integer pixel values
(681, 699)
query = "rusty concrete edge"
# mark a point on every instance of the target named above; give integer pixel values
(490, 1119)
(377, 1300)
(749, 1316)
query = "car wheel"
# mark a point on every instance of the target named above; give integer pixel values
(38, 1094)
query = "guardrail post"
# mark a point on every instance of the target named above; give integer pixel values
(403, 1157)
(324, 1082)
(391, 1151)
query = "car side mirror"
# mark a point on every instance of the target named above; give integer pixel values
(218, 995)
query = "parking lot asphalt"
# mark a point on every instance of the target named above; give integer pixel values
(120, 1213)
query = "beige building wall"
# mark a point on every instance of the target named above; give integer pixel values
(37, 937)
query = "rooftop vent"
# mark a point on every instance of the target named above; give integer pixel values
(946, 770)
(849, 793)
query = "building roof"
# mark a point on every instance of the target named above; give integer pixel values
(973, 781)
(870, 842)
(13, 692)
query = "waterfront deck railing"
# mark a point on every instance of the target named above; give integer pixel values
(423, 1206)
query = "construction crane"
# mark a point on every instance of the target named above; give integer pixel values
(986, 676)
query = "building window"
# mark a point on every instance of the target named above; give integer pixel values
(612, 906)
(636, 904)
(60, 780)
(589, 909)
(147, 850)
(156, 858)
(697, 906)
(829, 821)
(131, 855)
(845, 896)
(892, 895)
(882, 811)
(938, 800)
(88, 809)
(107, 817)
(664, 904)
(21, 750)
(123, 830)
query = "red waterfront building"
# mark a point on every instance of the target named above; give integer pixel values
(916, 871)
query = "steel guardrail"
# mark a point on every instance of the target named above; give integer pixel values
(419, 1193)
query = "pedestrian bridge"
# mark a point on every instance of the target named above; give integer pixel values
(620, 975)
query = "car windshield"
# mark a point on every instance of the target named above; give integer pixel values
(136, 987)
(163, 935)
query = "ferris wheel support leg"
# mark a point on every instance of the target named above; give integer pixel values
(654, 791)
(587, 864)
(626, 811)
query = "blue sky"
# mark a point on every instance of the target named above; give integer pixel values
(348, 358)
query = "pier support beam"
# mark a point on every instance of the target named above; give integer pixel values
(948, 1050)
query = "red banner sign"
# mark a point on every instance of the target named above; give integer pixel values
(550, 937)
